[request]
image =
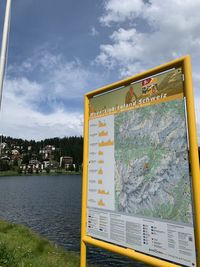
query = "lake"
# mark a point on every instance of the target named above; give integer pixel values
(51, 206)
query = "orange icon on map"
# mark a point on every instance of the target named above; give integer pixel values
(101, 161)
(103, 192)
(101, 203)
(106, 143)
(100, 153)
(103, 134)
(102, 124)
(100, 171)
(100, 181)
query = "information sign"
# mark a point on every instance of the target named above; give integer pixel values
(139, 187)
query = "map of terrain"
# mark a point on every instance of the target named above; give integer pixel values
(151, 162)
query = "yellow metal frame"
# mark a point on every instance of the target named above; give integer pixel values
(185, 63)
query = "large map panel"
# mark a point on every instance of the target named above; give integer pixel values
(139, 186)
(151, 162)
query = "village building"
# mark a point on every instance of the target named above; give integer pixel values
(66, 161)
(48, 152)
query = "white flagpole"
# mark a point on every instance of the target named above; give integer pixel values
(4, 46)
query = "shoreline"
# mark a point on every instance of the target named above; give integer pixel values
(16, 173)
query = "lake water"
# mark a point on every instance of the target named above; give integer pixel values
(51, 206)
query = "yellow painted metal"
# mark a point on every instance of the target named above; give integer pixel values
(83, 254)
(84, 183)
(129, 253)
(193, 149)
(183, 62)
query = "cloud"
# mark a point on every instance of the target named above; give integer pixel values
(119, 11)
(173, 30)
(94, 31)
(55, 76)
(23, 122)
(148, 33)
(43, 96)
(21, 119)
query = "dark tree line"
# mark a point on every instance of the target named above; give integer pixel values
(67, 146)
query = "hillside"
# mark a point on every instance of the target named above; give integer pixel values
(18, 152)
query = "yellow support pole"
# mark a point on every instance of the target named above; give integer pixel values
(84, 184)
(83, 254)
(132, 254)
(193, 150)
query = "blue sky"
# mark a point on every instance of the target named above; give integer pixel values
(59, 50)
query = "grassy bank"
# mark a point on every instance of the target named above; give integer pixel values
(20, 247)
(8, 173)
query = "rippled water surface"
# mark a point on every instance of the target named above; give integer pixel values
(51, 205)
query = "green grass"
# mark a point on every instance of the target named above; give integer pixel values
(20, 247)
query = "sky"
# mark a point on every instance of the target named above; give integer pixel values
(59, 50)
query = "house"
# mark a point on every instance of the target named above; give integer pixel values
(34, 166)
(66, 161)
(47, 152)
(15, 152)
(4, 149)
(3, 145)
(46, 164)
(6, 158)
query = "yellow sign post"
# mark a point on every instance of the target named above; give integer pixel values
(128, 127)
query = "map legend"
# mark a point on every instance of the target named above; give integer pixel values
(101, 145)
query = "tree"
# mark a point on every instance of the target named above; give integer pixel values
(77, 168)
(47, 169)
(71, 167)
(4, 166)
(15, 163)
(26, 159)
